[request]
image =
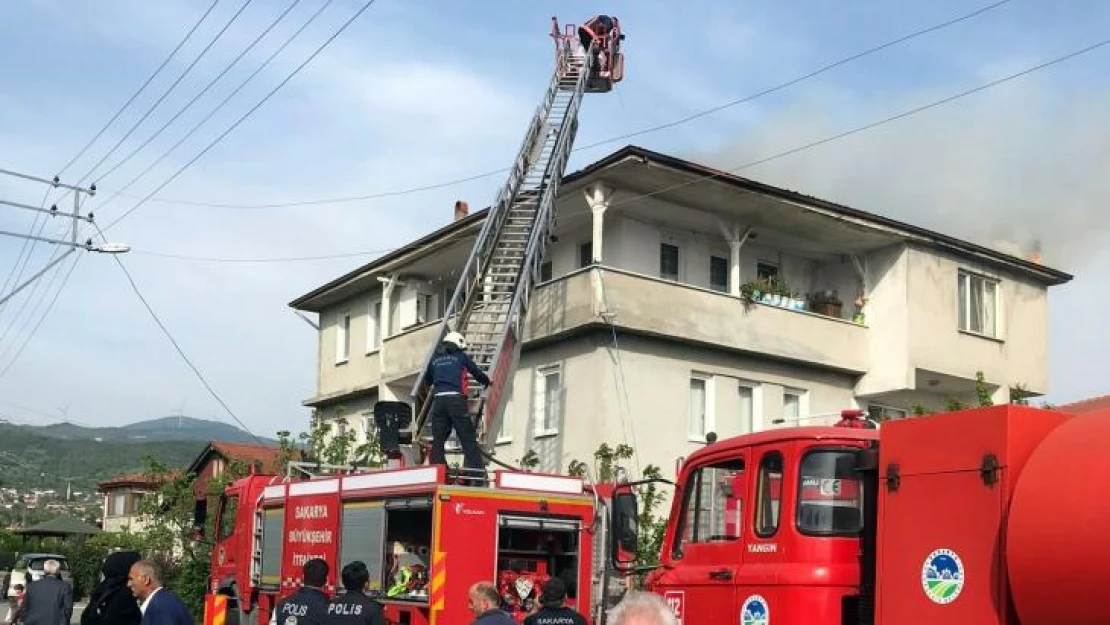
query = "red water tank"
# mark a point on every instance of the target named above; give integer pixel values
(1058, 532)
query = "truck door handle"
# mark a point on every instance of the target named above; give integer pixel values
(722, 574)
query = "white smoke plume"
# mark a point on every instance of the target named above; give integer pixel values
(1018, 168)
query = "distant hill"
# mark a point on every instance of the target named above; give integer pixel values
(47, 456)
(162, 429)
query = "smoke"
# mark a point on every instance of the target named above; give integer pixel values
(1022, 168)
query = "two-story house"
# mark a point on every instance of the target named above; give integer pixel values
(642, 329)
(123, 495)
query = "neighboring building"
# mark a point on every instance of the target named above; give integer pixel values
(638, 331)
(211, 464)
(122, 496)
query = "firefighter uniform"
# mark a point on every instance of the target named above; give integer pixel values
(354, 608)
(307, 606)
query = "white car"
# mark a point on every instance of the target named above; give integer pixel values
(29, 567)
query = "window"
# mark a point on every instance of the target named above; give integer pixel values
(877, 412)
(699, 408)
(549, 388)
(712, 508)
(829, 502)
(769, 495)
(504, 434)
(764, 269)
(423, 307)
(227, 517)
(718, 273)
(545, 272)
(343, 338)
(668, 261)
(585, 254)
(747, 409)
(978, 304)
(374, 326)
(792, 408)
(119, 504)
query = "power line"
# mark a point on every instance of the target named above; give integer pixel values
(871, 125)
(169, 90)
(342, 28)
(181, 352)
(650, 129)
(288, 259)
(41, 318)
(219, 106)
(136, 94)
(190, 103)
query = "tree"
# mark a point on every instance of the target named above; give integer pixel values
(170, 536)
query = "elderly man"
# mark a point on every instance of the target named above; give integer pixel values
(160, 606)
(642, 608)
(48, 601)
(485, 604)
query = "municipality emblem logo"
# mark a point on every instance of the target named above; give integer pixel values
(942, 576)
(755, 611)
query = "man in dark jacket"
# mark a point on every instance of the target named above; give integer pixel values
(159, 605)
(309, 605)
(354, 607)
(554, 610)
(447, 374)
(49, 600)
(484, 602)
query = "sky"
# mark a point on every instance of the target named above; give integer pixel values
(418, 93)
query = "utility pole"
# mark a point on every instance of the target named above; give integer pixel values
(79, 194)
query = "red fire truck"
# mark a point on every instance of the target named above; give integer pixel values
(966, 518)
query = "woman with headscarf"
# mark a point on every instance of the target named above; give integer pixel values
(111, 602)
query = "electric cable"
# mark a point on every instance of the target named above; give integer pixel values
(872, 125)
(42, 317)
(177, 346)
(288, 259)
(13, 279)
(193, 101)
(167, 92)
(650, 129)
(342, 28)
(220, 106)
(136, 94)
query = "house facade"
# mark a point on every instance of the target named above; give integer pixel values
(123, 496)
(643, 329)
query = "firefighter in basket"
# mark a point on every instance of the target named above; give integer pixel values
(409, 573)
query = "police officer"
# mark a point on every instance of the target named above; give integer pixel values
(309, 604)
(447, 373)
(554, 610)
(354, 607)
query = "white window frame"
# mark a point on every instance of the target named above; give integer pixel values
(965, 282)
(757, 402)
(505, 434)
(803, 405)
(343, 338)
(374, 325)
(539, 401)
(709, 422)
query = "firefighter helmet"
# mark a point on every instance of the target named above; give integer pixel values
(455, 339)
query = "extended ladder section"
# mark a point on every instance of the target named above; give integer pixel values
(490, 302)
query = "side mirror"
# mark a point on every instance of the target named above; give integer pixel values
(625, 524)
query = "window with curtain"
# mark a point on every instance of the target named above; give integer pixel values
(698, 407)
(747, 409)
(978, 310)
(718, 273)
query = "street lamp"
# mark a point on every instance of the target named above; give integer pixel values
(107, 248)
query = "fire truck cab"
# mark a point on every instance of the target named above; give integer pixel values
(407, 525)
(767, 522)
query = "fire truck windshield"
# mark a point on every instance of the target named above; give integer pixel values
(829, 498)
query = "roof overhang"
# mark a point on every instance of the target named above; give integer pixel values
(651, 174)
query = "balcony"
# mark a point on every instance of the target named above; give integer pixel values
(677, 311)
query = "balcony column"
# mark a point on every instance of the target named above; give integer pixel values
(735, 235)
(388, 284)
(597, 198)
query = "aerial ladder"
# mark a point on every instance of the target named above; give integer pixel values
(490, 302)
